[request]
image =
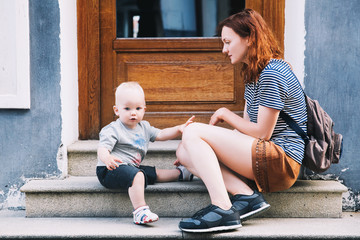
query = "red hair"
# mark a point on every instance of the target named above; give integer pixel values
(263, 45)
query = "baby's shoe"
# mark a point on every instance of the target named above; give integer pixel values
(143, 215)
(185, 175)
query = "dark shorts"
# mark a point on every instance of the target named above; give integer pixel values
(123, 176)
(273, 169)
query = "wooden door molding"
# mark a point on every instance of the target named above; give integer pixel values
(166, 44)
(108, 60)
(101, 55)
(273, 12)
(88, 68)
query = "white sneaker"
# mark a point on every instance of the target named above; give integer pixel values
(185, 175)
(143, 215)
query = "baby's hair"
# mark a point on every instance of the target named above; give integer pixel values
(128, 85)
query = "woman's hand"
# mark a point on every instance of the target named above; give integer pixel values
(219, 116)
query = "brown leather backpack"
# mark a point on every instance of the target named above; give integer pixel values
(322, 145)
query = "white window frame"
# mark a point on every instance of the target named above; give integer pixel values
(20, 99)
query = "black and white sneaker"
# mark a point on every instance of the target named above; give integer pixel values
(249, 205)
(211, 219)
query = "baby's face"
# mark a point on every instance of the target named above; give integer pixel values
(130, 107)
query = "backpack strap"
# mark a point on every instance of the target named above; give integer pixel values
(291, 122)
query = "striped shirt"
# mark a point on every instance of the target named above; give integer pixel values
(278, 88)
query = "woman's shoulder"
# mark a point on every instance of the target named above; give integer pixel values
(278, 65)
(277, 68)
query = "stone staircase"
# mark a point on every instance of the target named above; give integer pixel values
(81, 195)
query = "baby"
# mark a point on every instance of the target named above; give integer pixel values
(123, 145)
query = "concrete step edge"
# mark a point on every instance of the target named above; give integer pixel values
(167, 228)
(91, 184)
(84, 197)
(90, 146)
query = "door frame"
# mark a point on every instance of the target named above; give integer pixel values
(96, 28)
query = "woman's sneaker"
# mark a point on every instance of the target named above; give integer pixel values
(185, 175)
(249, 205)
(210, 219)
(143, 215)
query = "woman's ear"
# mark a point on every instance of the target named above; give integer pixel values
(116, 110)
(248, 43)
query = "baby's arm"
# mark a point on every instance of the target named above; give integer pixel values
(173, 132)
(109, 160)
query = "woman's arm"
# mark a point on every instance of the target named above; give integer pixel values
(263, 129)
(245, 114)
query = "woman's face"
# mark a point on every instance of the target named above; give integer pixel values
(235, 46)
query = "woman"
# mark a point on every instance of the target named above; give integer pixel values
(262, 148)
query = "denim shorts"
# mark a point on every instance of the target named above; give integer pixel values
(123, 176)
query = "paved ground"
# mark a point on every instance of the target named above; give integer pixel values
(14, 225)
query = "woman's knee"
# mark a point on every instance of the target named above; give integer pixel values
(180, 153)
(192, 131)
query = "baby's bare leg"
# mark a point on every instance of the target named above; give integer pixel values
(167, 175)
(136, 191)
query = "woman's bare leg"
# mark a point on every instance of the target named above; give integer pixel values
(202, 148)
(199, 151)
(233, 182)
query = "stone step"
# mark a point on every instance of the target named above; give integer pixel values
(14, 225)
(82, 156)
(85, 197)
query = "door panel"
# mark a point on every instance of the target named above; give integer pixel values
(180, 78)
(179, 81)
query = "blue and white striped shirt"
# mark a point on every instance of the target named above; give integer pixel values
(279, 88)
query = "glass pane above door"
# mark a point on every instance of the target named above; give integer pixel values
(172, 18)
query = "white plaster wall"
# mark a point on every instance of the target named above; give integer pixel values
(14, 54)
(294, 39)
(69, 79)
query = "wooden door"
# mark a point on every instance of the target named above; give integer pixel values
(180, 76)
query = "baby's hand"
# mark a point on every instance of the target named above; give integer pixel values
(112, 162)
(188, 122)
